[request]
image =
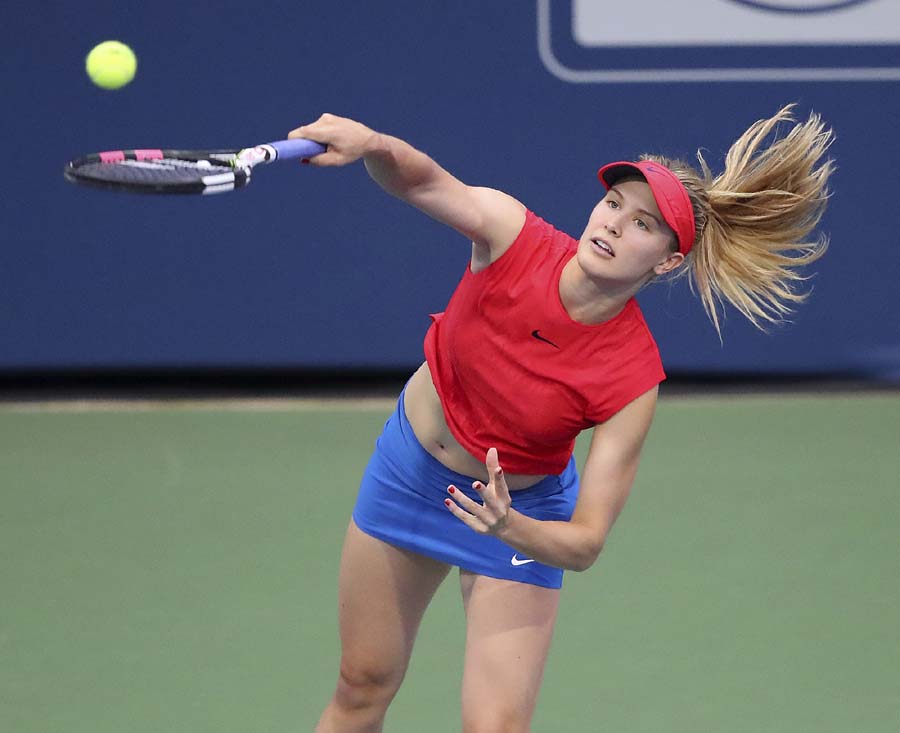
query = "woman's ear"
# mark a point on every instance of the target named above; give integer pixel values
(672, 262)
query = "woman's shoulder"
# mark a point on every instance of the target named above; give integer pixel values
(539, 228)
(537, 239)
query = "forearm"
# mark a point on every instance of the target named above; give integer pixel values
(565, 545)
(394, 164)
(398, 167)
(482, 215)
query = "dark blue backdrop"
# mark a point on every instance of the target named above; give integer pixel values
(310, 268)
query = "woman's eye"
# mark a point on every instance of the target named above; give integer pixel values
(641, 224)
(613, 204)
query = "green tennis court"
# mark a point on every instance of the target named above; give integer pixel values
(172, 567)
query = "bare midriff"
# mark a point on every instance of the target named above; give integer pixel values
(426, 416)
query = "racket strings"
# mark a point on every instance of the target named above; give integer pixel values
(150, 172)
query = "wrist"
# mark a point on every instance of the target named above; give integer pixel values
(510, 527)
(377, 146)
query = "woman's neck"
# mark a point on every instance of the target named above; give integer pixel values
(590, 301)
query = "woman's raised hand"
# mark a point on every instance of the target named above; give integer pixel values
(347, 140)
(491, 515)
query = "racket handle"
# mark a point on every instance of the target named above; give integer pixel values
(297, 148)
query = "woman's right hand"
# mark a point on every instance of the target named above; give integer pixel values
(347, 140)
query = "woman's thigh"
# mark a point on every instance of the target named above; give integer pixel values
(509, 626)
(383, 592)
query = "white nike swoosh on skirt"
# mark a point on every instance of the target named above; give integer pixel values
(516, 561)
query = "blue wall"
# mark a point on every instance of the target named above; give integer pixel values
(310, 268)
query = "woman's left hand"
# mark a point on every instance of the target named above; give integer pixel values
(491, 516)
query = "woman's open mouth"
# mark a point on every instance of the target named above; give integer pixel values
(603, 246)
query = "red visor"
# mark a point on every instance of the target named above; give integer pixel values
(671, 196)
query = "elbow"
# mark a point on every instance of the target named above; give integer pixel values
(586, 558)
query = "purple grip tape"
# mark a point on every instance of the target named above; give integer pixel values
(298, 148)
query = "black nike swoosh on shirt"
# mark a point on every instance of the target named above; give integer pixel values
(537, 335)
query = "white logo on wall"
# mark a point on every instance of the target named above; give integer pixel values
(593, 30)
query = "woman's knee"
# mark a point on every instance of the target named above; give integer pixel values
(496, 719)
(367, 684)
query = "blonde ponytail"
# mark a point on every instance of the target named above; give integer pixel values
(753, 220)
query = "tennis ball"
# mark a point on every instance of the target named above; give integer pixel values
(111, 64)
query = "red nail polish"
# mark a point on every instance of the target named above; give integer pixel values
(446, 502)
(451, 490)
(305, 161)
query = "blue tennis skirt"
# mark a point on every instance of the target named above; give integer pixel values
(401, 502)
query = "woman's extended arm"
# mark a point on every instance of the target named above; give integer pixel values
(490, 219)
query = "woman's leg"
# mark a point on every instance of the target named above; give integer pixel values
(383, 593)
(509, 626)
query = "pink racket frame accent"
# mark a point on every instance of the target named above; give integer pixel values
(116, 156)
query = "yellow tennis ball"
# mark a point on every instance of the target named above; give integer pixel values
(111, 64)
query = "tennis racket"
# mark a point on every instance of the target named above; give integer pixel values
(182, 171)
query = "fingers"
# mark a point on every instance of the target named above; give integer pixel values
(492, 461)
(299, 132)
(467, 517)
(496, 480)
(345, 139)
(319, 130)
(326, 159)
(488, 517)
(491, 515)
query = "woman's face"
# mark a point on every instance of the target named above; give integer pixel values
(626, 238)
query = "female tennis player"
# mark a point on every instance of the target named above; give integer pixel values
(542, 339)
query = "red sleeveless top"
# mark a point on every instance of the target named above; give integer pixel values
(514, 371)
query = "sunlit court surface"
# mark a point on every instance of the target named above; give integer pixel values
(171, 566)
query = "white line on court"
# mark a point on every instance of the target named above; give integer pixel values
(378, 404)
(237, 404)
